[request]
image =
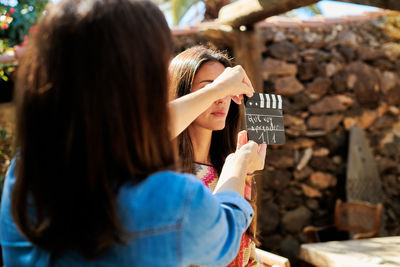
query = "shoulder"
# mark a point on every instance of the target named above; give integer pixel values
(159, 200)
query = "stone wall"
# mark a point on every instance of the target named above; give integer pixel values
(333, 74)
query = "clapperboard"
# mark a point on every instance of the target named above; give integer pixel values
(264, 118)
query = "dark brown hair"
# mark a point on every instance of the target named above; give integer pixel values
(182, 71)
(89, 121)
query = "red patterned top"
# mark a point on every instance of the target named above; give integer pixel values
(246, 256)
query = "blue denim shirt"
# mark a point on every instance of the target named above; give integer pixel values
(173, 218)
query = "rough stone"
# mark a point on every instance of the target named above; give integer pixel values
(323, 164)
(300, 143)
(288, 86)
(312, 204)
(366, 85)
(288, 200)
(339, 82)
(270, 217)
(277, 67)
(309, 70)
(290, 248)
(388, 80)
(332, 104)
(310, 192)
(277, 179)
(347, 38)
(302, 174)
(284, 50)
(347, 53)
(392, 97)
(324, 122)
(321, 152)
(281, 159)
(323, 180)
(319, 87)
(293, 221)
(391, 50)
(368, 53)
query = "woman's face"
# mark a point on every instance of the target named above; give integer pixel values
(214, 117)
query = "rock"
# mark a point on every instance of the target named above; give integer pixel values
(391, 185)
(349, 122)
(331, 104)
(310, 192)
(277, 180)
(391, 50)
(305, 159)
(367, 118)
(324, 122)
(332, 68)
(394, 110)
(367, 53)
(323, 164)
(315, 54)
(323, 180)
(281, 159)
(293, 221)
(321, 152)
(271, 242)
(287, 200)
(392, 97)
(388, 80)
(383, 64)
(270, 217)
(339, 82)
(312, 204)
(290, 248)
(347, 53)
(309, 70)
(366, 85)
(347, 38)
(288, 86)
(283, 50)
(386, 164)
(302, 174)
(319, 87)
(277, 67)
(294, 122)
(300, 143)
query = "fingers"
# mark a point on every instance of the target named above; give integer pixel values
(237, 99)
(246, 81)
(242, 139)
(262, 151)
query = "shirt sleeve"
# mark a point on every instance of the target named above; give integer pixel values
(213, 226)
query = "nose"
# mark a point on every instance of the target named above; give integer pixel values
(223, 100)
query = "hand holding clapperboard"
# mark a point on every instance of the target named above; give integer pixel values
(264, 118)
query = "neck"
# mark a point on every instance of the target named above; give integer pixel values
(201, 141)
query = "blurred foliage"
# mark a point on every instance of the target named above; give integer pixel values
(179, 8)
(310, 10)
(15, 21)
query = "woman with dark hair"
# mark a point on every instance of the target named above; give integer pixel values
(211, 137)
(92, 182)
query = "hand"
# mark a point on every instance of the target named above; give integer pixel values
(233, 82)
(255, 153)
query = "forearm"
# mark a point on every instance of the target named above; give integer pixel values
(233, 175)
(184, 110)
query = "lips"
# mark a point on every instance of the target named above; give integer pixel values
(219, 113)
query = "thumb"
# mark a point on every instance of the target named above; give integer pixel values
(242, 139)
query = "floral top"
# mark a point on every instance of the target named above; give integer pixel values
(246, 256)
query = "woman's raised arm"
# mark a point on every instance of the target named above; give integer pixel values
(184, 110)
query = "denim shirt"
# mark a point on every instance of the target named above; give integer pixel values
(174, 221)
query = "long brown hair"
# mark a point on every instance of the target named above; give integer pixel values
(89, 121)
(182, 70)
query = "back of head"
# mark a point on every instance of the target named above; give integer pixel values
(182, 71)
(92, 115)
